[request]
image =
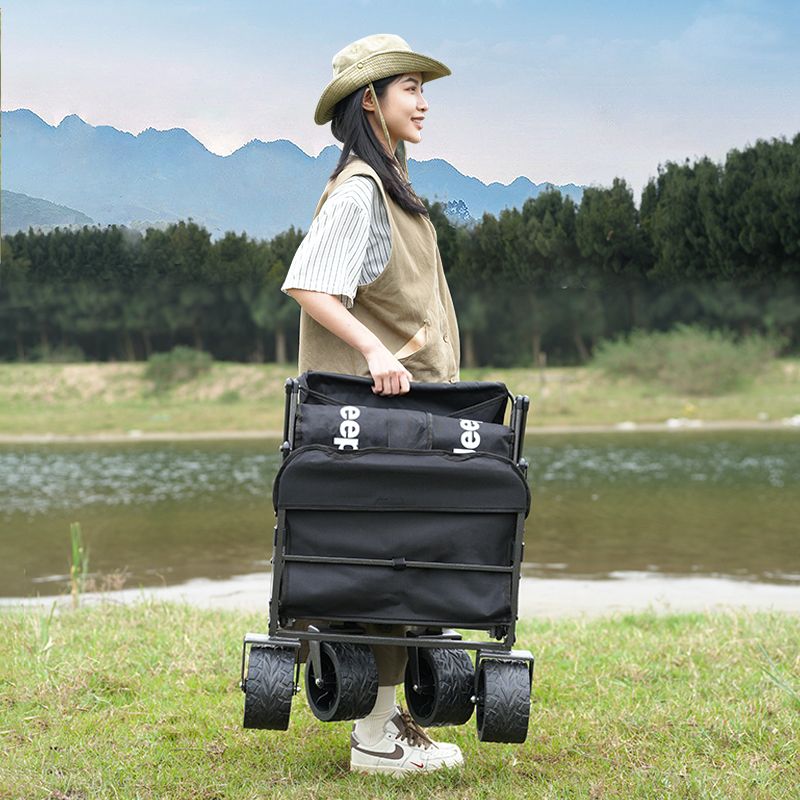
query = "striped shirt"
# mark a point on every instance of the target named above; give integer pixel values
(347, 245)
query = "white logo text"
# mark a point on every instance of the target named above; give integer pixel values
(349, 429)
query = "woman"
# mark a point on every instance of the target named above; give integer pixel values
(374, 302)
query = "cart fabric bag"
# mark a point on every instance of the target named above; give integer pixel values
(483, 401)
(352, 427)
(399, 535)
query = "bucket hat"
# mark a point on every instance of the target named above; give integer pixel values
(369, 59)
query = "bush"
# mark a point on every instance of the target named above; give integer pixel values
(229, 396)
(688, 359)
(60, 354)
(177, 366)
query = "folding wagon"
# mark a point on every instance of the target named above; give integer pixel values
(396, 511)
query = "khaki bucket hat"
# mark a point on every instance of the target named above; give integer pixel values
(369, 59)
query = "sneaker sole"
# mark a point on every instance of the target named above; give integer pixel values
(400, 772)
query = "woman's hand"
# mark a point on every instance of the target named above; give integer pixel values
(390, 376)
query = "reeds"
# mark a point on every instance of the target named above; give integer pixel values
(79, 567)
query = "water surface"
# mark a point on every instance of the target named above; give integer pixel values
(675, 504)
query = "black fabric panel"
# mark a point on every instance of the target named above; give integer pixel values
(482, 400)
(356, 427)
(318, 476)
(412, 596)
(469, 434)
(485, 539)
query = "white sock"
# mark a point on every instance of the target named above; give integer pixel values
(370, 729)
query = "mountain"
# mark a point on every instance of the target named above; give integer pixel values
(457, 211)
(162, 176)
(19, 212)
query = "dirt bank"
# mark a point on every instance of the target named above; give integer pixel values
(540, 598)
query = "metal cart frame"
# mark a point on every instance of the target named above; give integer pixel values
(418, 637)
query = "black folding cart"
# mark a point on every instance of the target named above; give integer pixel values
(407, 510)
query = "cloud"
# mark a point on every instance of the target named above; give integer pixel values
(720, 38)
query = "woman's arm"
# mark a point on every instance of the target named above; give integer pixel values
(390, 376)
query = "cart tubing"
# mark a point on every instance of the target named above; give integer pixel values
(269, 688)
(444, 693)
(503, 701)
(349, 685)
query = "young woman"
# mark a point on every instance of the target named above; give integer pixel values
(374, 302)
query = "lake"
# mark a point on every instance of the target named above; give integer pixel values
(683, 503)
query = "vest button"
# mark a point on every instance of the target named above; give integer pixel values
(445, 338)
(360, 64)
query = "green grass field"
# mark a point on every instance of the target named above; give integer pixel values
(83, 399)
(142, 702)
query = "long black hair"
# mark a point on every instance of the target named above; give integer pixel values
(351, 127)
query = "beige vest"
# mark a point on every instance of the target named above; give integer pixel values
(408, 306)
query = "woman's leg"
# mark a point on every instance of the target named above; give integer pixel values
(391, 659)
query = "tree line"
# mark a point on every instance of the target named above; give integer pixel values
(710, 243)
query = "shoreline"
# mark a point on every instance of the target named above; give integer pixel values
(540, 598)
(675, 425)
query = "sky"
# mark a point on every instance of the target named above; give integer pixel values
(567, 92)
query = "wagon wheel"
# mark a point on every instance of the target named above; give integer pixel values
(503, 701)
(443, 695)
(269, 688)
(348, 685)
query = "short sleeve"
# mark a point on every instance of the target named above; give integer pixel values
(330, 257)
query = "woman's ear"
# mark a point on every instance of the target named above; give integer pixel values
(367, 102)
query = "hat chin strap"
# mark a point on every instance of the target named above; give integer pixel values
(402, 162)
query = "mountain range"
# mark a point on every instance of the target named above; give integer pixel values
(75, 173)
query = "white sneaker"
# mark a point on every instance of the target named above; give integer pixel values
(405, 748)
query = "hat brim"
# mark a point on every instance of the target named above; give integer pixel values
(373, 68)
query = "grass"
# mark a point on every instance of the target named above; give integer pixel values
(79, 566)
(142, 702)
(79, 399)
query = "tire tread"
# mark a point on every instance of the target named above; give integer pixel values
(357, 682)
(504, 705)
(269, 688)
(454, 679)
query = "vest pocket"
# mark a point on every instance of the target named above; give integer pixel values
(430, 362)
(415, 343)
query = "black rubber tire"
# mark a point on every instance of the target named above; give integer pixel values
(350, 682)
(444, 694)
(503, 701)
(269, 688)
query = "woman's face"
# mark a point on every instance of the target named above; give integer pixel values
(403, 107)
